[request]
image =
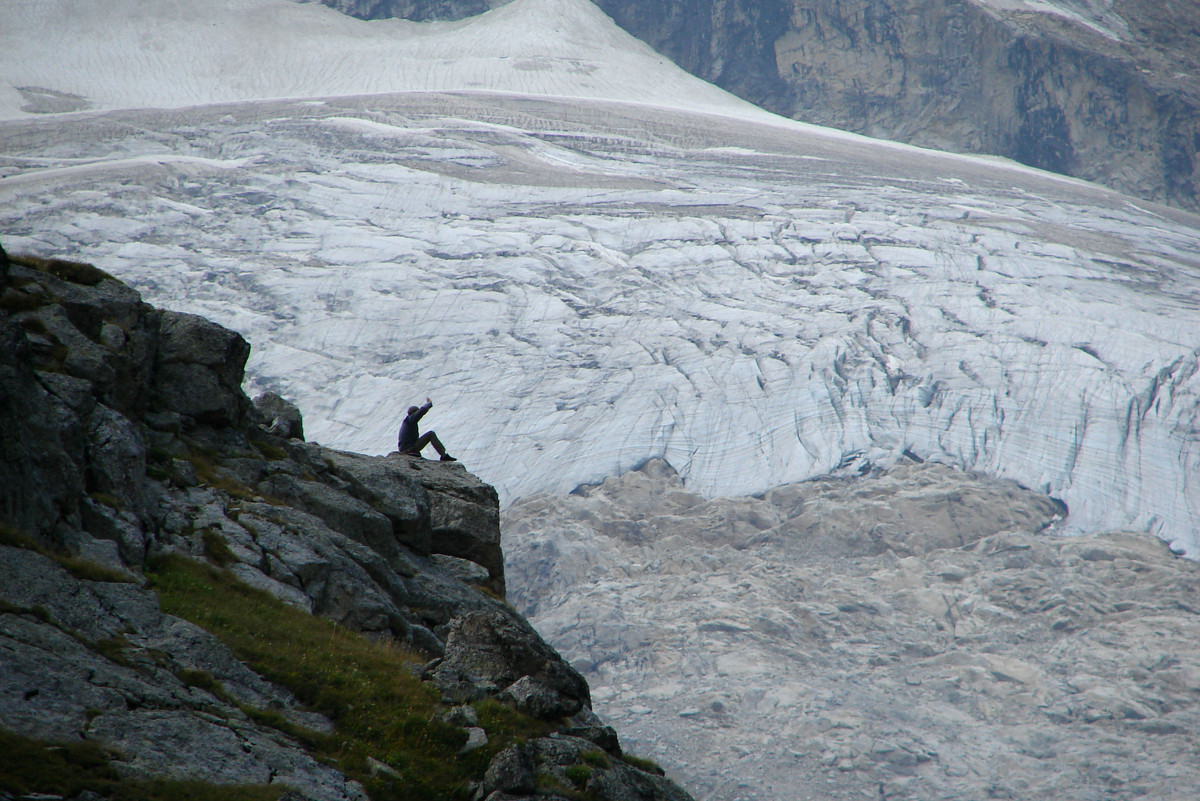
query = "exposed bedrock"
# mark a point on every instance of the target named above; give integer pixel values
(416, 10)
(1114, 100)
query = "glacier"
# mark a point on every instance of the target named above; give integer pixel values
(590, 259)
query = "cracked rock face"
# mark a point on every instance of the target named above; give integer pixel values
(58, 686)
(902, 634)
(1105, 91)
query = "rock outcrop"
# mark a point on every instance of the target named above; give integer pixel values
(416, 10)
(1111, 96)
(916, 633)
(138, 483)
(1103, 91)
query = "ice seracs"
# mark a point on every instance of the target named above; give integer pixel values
(594, 281)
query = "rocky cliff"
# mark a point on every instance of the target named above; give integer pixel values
(193, 597)
(1106, 90)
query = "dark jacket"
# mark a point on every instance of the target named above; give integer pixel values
(410, 432)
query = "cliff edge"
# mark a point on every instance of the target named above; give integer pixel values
(192, 596)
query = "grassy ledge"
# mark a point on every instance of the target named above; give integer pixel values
(77, 567)
(381, 710)
(38, 768)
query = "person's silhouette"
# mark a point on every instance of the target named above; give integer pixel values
(412, 441)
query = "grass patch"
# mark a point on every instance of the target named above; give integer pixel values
(92, 571)
(596, 758)
(34, 325)
(644, 765)
(111, 648)
(106, 498)
(73, 271)
(579, 775)
(315, 741)
(79, 568)
(379, 707)
(502, 722)
(213, 475)
(15, 538)
(217, 549)
(492, 593)
(551, 785)
(35, 767)
(203, 680)
(269, 451)
(14, 301)
(38, 612)
(209, 473)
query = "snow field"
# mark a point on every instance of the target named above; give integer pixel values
(752, 314)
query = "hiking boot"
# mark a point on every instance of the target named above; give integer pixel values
(448, 458)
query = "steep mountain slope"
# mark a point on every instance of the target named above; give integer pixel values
(1105, 90)
(1100, 89)
(66, 55)
(590, 284)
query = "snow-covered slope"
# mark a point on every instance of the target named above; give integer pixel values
(130, 54)
(582, 285)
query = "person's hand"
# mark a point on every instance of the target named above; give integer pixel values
(429, 401)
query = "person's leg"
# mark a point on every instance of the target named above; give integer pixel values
(430, 438)
(437, 444)
(420, 444)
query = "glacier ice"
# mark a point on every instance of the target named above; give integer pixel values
(582, 284)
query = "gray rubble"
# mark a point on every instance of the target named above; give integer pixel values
(917, 633)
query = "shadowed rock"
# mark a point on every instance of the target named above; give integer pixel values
(281, 417)
(434, 507)
(200, 367)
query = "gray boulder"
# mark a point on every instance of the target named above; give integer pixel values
(200, 367)
(510, 771)
(116, 457)
(391, 488)
(41, 444)
(97, 661)
(342, 512)
(530, 696)
(495, 648)
(126, 437)
(280, 416)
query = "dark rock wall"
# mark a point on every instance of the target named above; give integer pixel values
(955, 76)
(416, 10)
(1035, 88)
(730, 43)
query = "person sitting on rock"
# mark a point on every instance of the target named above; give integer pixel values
(412, 442)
